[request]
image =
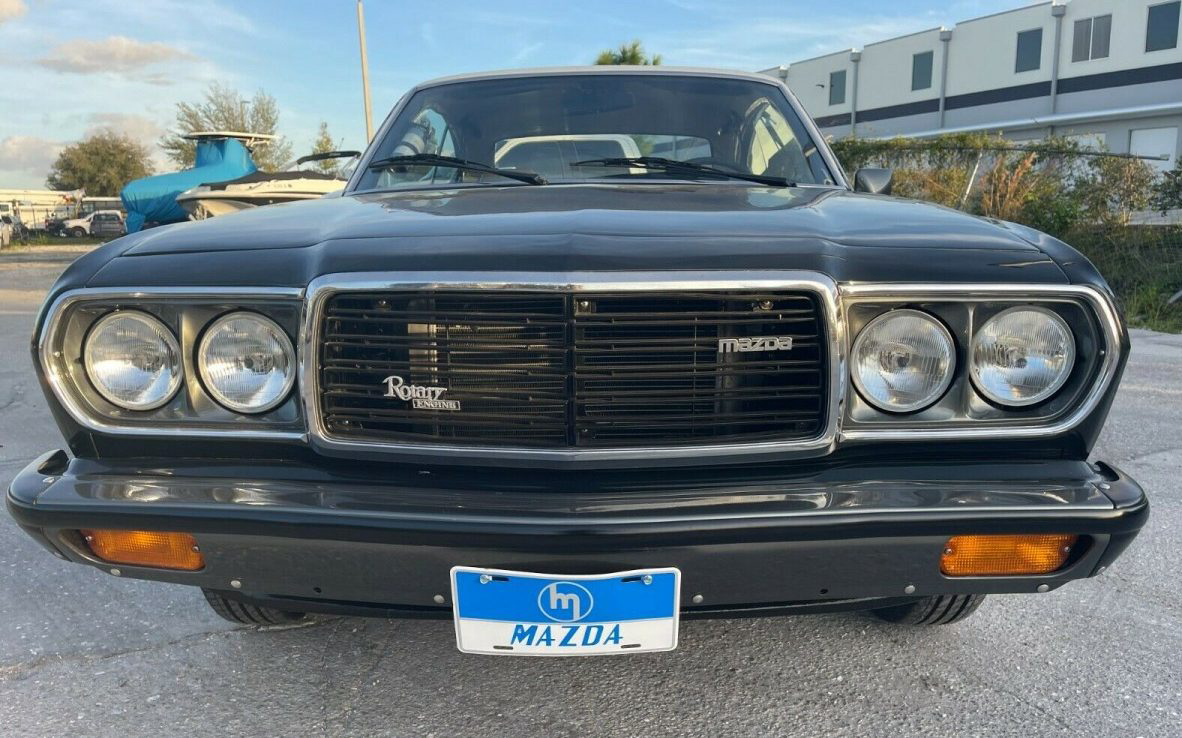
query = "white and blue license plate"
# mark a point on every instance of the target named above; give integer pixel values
(517, 613)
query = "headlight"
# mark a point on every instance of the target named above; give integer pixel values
(903, 361)
(1022, 356)
(133, 360)
(246, 362)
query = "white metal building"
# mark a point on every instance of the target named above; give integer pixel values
(1106, 71)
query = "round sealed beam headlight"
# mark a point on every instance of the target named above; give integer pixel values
(133, 360)
(903, 361)
(246, 362)
(1022, 356)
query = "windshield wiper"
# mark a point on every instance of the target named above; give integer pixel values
(673, 166)
(438, 160)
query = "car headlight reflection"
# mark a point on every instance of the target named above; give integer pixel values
(903, 361)
(133, 360)
(1022, 356)
(246, 362)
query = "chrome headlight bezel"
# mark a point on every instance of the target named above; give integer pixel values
(938, 389)
(210, 332)
(1051, 389)
(191, 412)
(170, 344)
(963, 412)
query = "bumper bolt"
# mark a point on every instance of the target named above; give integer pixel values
(1043, 588)
(909, 589)
(235, 584)
(438, 599)
(697, 599)
(116, 573)
(1105, 486)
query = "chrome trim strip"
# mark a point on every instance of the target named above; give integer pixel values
(1102, 307)
(61, 385)
(323, 287)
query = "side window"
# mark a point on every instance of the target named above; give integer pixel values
(1162, 30)
(837, 87)
(774, 148)
(921, 71)
(1029, 55)
(1091, 38)
(429, 133)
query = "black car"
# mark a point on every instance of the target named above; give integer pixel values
(575, 353)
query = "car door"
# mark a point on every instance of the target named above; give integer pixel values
(105, 224)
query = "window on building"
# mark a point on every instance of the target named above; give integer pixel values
(1155, 142)
(1162, 30)
(837, 87)
(1029, 56)
(1092, 36)
(921, 71)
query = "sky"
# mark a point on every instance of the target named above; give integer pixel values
(71, 67)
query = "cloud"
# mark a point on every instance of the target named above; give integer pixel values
(137, 127)
(11, 9)
(115, 54)
(28, 154)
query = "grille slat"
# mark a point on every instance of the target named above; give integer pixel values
(560, 370)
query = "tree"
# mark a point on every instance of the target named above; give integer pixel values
(323, 145)
(101, 164)
(224, 109)
(630, 53)
(1167, 193)
(1113, 188)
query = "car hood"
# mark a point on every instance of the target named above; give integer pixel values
(850, 236)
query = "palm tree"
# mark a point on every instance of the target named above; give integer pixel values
(630, 53)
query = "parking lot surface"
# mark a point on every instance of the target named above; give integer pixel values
(88, 654)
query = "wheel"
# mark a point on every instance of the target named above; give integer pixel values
(247, 614)
(77, 233)
(935, 610)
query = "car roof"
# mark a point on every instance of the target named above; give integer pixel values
(601, 69)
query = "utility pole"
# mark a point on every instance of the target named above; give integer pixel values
(364, 73)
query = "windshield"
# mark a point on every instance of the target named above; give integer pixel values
(557, 125)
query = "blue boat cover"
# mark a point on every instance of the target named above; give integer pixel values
(153, 199)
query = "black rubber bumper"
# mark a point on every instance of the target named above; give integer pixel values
(322, 541)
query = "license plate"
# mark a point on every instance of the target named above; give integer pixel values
(513, 613)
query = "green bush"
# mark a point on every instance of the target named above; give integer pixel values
(1143, 264)
(1084, 197)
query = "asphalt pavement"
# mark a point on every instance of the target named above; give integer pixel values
(83, 653)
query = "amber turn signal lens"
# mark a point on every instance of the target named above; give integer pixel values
(145, 548)
(1000, 555)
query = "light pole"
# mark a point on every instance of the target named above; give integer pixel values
(364, 73)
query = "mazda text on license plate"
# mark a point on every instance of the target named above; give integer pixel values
(519, 613)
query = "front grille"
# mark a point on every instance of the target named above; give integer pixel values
(570, 369)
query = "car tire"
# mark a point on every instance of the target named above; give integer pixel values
(77, 233)
(246, 614)
(935, 610)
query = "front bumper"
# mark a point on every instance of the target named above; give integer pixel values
(304, 538)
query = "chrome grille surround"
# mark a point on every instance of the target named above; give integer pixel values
(824, 290)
